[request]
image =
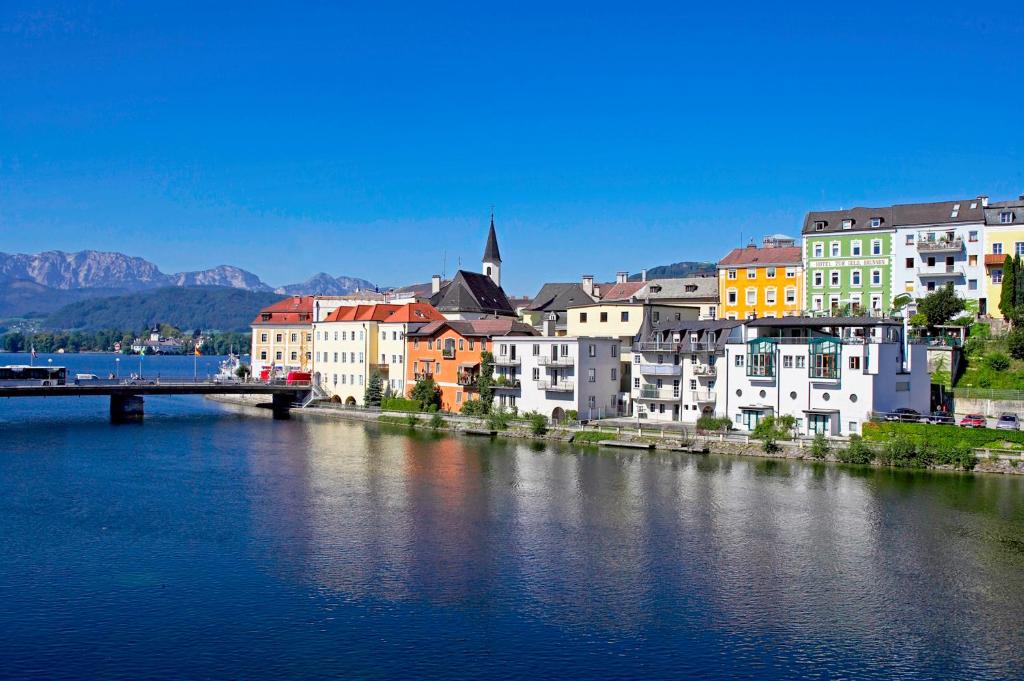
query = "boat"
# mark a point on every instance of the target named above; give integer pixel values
(228, 368)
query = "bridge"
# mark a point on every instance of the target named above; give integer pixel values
(126, 397)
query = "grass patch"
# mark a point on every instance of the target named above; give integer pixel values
(592, 437)
(408, 420)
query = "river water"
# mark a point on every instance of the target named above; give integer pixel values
(209, 543)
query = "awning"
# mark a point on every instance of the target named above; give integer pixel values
(469, 365)
(427, 359)
(758, 407)
(821, 411)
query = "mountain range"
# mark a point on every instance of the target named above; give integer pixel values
(40, 283)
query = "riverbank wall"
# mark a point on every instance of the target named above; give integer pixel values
(661, 440)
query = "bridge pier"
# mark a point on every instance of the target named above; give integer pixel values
(126, 408)
(282, 404)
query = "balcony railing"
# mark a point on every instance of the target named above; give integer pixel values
(654, 393)
(705, 370)
(549, 361)
(656, 346)
(421, 375)
(699, 396)
(940, 271)
(467, 379)
(940, 245)
(661, 369)
(507, 361)
(556, 386)
(513, 384)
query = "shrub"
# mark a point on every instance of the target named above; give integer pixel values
(426, 393)
(767, 430)
(709, 423)
(1015, 343)
(857, 452)
(474, 408)
(572, 415)
(820, 446)
(997, 361)
(411, 420)
(399, 404)
(538, 424)
(437, 421)
(498, 419)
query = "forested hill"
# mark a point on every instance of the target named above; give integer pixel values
(680, 270)
(206, 308)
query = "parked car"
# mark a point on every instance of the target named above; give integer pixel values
(974, 421)
(1008, 422)
(941, 418)
(905, 414)
(86, 377)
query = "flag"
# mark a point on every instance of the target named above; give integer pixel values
(198, 352)
(34, 353)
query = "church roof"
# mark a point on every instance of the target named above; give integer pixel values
(472, 292)
(491, 251)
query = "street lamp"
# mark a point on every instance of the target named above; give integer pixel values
(117, 367)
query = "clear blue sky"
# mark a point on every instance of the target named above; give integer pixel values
(290, 139)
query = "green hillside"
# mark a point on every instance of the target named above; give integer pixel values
(207, 308)
(679, 270)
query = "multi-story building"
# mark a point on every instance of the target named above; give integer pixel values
(830, 374)
(847, 258)
(282, 338)
(699, 292)
(450, 352)
(392, 344)
(941, 243)
(472, 295)
(1004, 236)
(676, 367)
(762, 282)
(554, 375)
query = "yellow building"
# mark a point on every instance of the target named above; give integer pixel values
(761, 282)
(282, 338)
(1004, 235)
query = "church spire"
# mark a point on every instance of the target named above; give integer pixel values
(491, 252)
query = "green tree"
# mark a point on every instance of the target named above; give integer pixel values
(426, 393)
(820, 446)
(485, 382)
(1015, 343)
(1008, 295)
(941, 305)
(374, 390)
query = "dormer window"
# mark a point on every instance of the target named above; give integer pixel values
(1005, 217)
(819, 226)
(265, 316)
(876, 222)
(847, 224)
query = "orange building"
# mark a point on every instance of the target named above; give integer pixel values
(761, 282)
(450, 353)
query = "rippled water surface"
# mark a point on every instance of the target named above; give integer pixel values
(210, 543)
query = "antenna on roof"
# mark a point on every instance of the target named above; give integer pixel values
(444, 263)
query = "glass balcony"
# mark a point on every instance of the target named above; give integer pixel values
(661, 369)
(556, 386)
(650, 392)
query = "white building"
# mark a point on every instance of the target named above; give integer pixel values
(829, 373)
(676, 368)
(553, 375)
(940, 243)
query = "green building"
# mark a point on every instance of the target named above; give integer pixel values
(848, 261)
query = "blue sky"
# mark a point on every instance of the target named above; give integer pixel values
(369, 141)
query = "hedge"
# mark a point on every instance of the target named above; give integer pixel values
(942, 437)
(399, 404)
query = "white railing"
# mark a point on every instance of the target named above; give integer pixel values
(555, 386)
(661, 369)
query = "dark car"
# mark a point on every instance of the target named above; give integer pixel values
(905, 414)
(974, 421)
(941, 419)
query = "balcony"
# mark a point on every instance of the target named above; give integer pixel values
(650, 392)
(548, 361)
(705, 370)
(448, 354)
(507, 361)
(941, 271)
(940, 245)
(556, 386)
(509, 384)
(465, 379)
(661, 369)
(656, 346)
(700, 396)
(421, 375)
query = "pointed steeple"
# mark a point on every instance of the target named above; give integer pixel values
(491, 252)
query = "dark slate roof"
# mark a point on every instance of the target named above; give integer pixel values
(472, 292)
(861, 217)
(554, 297)
(900, 215)
(491, 251)
(707, 329)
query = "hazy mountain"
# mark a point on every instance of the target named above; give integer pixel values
(223, 275)
(85, 269)
(324, 284)
(678, 270)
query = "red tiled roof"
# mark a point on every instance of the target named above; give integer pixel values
(410, 312)
(621, 291)
(786, 255)
(415, 312)
(291, 310)
(994, 259)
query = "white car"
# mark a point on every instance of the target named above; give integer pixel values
(86, 377)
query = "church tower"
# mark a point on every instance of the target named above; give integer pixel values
(491, 265)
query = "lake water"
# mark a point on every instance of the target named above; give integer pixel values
(210, 543)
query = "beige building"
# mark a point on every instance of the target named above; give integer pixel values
(282, 338)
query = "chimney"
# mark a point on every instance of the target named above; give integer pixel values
(984, 200)
(643, 275)
(588, 284)
(435, 284)
(620, 277)
(548, 326)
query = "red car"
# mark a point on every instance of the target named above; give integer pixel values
(973, 421)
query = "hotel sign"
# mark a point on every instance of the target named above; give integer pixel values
(846, 262)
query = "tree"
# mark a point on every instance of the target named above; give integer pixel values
(901, 301)
(1007, 298)
(941, 305)
(1015, 343)
(426, 393)
(374, 390)
(485, 382)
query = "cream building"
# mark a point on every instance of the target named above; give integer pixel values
(282, 338)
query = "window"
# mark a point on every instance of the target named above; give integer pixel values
(263, 353)
(847, 224)
(819, 250)
(712, 311)
(834, 278)
(769, 272)
(656, 316)
(278, 355)
(535, 351)
(876, 222)
(801, 362)
(834, 249)
(295, 337)
(615, 350)
(503, 349)
(751, 296)
(910, 263)
(739, 360)
(769, 296)
(591, 375)
(819, 225)
(592, 350)
(972, 260)
(997, 248)
(787, 361)
(636, 382)
(817, 302)
(536, 374)
(731, 274)
(1018, 248)
(636, 359)
(790, 272)
(876, 277)
(997, 276)
(279, 338)
(751, 273)
(1005, 217)
(855, 363)
(564, 350)
(972, 284)
(972, 235)
(910, 240)
(604, 316)
(876, 247)
(854, 248)
(854, 277)
(458, 398)
(818, 279)
(462, 344)
(335, 357)
(790, 296)
(615, 373)
(730, 296)
(263, 338)
(583, 317)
